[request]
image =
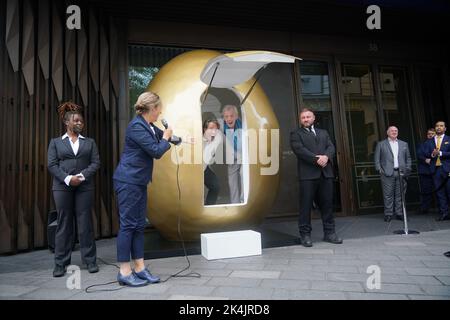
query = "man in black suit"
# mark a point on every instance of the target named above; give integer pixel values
(73, 161)
(425, 176)
(314, 151)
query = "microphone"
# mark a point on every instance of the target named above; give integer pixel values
(175, 140)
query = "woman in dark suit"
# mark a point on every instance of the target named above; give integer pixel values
(143, 143)
(73, 161)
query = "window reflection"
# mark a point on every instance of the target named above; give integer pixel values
(363, 133)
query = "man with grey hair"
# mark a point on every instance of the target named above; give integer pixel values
(232, 129)
(392, 160)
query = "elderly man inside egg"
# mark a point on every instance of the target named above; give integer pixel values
(205, 85)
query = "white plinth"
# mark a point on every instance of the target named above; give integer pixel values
(233, 244)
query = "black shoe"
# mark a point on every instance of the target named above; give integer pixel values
(443, 218)
(92, 267)
(59, 271)
(387, 218)
(332, 238)
(305, 240)
(399, 217)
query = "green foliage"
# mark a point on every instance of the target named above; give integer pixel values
(139, 78)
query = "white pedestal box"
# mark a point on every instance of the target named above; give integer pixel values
(233, 244)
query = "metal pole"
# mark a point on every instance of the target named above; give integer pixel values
(405, 231)
(405, 220)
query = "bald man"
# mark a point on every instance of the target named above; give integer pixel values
(392, 157)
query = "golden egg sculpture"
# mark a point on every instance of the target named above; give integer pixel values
(176, 194)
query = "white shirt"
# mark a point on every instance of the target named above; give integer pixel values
(394, 148)
(75, 146)
(436, 143)
(311, 129)
(210, 148)
(153, 129)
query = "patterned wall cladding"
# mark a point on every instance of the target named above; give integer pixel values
(12, 32)
(28, 54)
(42, 64)
(44, 37)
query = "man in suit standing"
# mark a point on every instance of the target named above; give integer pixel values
(425, 177)
(73, 161)
(392, 160)
(314, 151)
(438, 149)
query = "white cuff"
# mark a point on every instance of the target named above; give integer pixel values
(80, 175)
(67, 180)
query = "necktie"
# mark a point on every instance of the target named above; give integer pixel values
(311, 130)
(438, 146)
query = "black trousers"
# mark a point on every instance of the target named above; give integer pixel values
(321, 192)
(426, 191)
(212, 182)
(68, 204)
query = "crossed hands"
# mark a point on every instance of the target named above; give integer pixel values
(322, 160)
(75, 181)
(435, 152)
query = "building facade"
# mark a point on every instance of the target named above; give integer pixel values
(358, 81)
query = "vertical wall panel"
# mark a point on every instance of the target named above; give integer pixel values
(12, 32)
(44, 37)
(57, 53)
(42, 64)
(5, 204)
(82, 52)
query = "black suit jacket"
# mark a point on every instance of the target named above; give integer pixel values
(63, 162)
(306, 147)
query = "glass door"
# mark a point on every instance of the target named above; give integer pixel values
(315, 94)
(374, 98)
(397, 112)
(363, 130)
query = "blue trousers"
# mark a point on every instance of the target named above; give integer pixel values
(443, 194)
(132, 200)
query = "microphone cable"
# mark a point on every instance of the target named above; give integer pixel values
(180, 236)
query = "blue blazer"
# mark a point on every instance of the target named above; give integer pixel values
(141, 147)
(421, 152)
(445, 158)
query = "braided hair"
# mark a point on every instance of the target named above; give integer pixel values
(67, 110)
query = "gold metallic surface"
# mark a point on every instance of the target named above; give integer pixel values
(179, 86)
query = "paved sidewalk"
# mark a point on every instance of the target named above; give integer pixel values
(412, 267)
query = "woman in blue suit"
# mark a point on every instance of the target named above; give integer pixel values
(144, 142)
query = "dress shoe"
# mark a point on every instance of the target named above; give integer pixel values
(146, 275)
(131, 280)
(332, 238)
(387, 218)
(92, 267)
(59, 271)
(443, 218)
(305, 240)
